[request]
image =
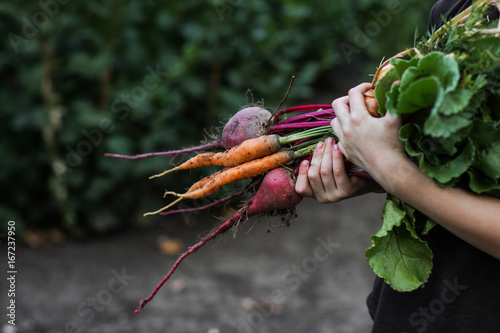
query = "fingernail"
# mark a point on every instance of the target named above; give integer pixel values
(335, 147)
(329, 141)
(304, 164)
(320, 145)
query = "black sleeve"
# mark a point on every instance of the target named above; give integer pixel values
(450, 8)
(461, 296)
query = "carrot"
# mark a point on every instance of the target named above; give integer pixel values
(218, 180)
(202, 182)
(243, 171)
(221, 178)
(248, 150)
(196, 186)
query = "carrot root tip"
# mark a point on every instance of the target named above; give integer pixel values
(164, 208)
(173, 193)
(161, 174)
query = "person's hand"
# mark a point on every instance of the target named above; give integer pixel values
(370, 143)
(325, 178)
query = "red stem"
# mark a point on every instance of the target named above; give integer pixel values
(321, 114)
(300, 108)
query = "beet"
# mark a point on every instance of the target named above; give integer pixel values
(277, 192)
(248, 123)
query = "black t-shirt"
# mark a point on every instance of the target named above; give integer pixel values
(450, 8)
(462, 294)
(463, 291)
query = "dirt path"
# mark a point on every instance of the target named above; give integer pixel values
(310, 277)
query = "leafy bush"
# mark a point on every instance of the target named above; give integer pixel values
(80, 79)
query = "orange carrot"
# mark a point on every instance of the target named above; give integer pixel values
(199, 184)
(243, 171)
(246, 151)
(218, 180)
(221, 178)
(202, 182)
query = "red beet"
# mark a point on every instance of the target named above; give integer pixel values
(276, 192)
(248, 123)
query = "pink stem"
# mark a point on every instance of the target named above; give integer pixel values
(300, 108)
(216, 202)
(297, 165)
(206, 146)
(222, 228)
(311, 115)
(298, 142)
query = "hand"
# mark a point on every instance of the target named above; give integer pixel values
(325, 178)
(370, 143)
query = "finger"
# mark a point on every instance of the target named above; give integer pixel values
(337, 129)
(341, 105)
(326, 170)
(340, 100)
(357, 99)
(342, 110)
(314, 169)
(341, 148)
(392, 120)
(302, 186)
(342, 180)
(360, 88)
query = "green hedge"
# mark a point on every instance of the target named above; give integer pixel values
(82, 78)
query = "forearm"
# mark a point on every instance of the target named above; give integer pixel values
(373, 144)
(474, 218)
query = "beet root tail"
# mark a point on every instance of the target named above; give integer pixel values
(216, 144)
(221, 229)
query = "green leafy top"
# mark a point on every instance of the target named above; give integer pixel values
(447, 94)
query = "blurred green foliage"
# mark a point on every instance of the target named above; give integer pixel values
(82, 78)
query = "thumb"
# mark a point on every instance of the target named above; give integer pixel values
(393, 120)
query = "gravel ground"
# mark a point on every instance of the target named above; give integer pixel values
(309, 277)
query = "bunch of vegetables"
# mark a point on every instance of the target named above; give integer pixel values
(255, 148)
(447, 90)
